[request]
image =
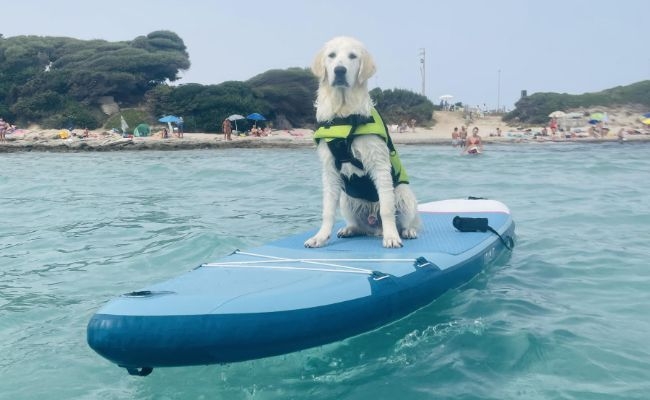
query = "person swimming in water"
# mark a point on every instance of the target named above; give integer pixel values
(473, 144)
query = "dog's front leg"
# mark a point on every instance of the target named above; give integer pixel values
(381, 176)
(387, 213)
(331, 195)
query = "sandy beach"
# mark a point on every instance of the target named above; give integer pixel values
(440, 134)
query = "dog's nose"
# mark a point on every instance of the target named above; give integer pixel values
(340, 70)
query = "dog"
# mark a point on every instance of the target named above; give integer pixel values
(361, 169)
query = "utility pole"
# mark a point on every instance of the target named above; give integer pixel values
(499, 91)
(423, 69)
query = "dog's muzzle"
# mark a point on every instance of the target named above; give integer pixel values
(339, 76)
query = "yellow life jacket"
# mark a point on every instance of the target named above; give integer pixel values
(339, 134)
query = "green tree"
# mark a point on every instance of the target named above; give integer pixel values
(204, 107)
(289, 95)
(397, 105)
(71, 71)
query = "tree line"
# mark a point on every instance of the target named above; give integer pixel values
(57, 81)
(48, 80)
(535, 109)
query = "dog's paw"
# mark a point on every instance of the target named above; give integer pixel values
(392, 241)
(348, 231)
(409, 233)
(316, 241)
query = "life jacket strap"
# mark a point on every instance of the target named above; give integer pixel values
(353, 120)
(342, 153)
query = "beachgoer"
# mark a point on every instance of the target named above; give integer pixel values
(180, 125)
(227, 129)
(553, 125)
(3, 130)
(455, 137)
(463, 135)
(164, 133)
(474, 144)
(412, 124)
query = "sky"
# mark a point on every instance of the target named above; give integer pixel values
(480, 52)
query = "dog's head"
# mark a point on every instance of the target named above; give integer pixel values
(343, 62)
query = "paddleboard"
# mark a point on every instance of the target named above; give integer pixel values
(474, 150)
(282, 297)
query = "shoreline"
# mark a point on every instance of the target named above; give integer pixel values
(49, 140)
(203, 141)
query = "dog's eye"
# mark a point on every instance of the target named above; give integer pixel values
(332, 55)
(352, 56)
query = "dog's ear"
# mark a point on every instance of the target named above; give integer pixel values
(367, 67)
(318, 67)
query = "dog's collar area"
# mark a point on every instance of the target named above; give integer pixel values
(351, 120)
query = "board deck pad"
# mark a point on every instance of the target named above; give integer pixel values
(437, 235)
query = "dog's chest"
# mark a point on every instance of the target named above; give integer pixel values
(348, 170)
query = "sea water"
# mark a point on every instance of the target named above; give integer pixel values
(566, 316)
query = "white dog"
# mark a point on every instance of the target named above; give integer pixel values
(361, 169)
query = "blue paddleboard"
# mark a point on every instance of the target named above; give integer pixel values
(283, 297)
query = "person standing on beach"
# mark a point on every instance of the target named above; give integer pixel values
(553, 125)
(227, 129)
(181, 126)
(455, 137)
(3, 130)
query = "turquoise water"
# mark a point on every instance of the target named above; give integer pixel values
(565, 317)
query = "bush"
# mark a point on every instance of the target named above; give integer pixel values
(397, 105)
(132, 116)
(73, 116)
(203, 108)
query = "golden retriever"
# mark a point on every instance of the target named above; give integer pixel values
(343, 67)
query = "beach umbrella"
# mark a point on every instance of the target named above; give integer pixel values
(597, 116)
(646, 115)
(169, 119)
(557, 114)
(234, 119)
(446, 97)
(256, 117)
(646, 121)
